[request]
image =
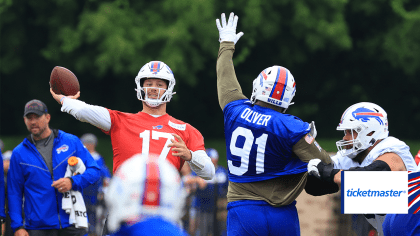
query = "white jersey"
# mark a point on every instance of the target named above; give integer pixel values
(389, 144)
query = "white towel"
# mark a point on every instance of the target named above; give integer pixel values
(73, 202)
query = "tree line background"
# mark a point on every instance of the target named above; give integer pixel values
(340, 52)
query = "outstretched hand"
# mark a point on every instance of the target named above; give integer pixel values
(58, 97)
(227, 31)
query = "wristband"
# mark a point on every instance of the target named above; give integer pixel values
(61, 100)
(71, 179)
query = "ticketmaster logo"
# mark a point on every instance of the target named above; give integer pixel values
(373, 193)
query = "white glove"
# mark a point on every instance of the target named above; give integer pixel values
(312, 167)
(227, 32)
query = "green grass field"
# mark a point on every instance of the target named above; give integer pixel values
(105, 149)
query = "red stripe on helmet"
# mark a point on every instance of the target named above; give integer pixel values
(280, 83)
(264, 75)
(155, 66)
(151, 195)
(369, 114)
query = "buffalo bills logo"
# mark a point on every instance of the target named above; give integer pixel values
(63, 148)
(155, 67)
(364, 114)
(158, 127)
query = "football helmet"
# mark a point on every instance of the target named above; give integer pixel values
(157, 70)
(144, 187)
(369, 121)
(274, 85)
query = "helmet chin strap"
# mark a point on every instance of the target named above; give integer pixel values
(152, 103)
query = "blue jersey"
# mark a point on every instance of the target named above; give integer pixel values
(259, 142)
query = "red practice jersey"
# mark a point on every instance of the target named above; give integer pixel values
(142, 133)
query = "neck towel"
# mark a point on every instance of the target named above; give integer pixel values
(72, 201)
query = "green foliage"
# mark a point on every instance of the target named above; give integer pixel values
(396, 36)
(340, 52)
(121, 37)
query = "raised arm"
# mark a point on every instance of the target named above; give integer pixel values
(228, 87)
(95, 115)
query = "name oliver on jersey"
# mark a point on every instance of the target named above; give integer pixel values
(255, 117)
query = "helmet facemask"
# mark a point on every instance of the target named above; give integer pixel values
(358, 144)
(142, 94)
(155, 70)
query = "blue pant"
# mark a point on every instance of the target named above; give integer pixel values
(248, 217)
(401, 225)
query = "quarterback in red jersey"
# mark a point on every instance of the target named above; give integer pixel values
(150, 131)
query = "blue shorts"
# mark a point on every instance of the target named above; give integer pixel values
(249, 217)
(401, 224)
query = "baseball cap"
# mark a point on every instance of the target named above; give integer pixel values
(89, 138)
(35, 106)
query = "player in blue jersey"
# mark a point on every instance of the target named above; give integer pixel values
(267, 150)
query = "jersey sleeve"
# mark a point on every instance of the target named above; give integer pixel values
(195, 139)
(297, 130)
(113, 114)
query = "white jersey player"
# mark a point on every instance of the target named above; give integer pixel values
(366, 146)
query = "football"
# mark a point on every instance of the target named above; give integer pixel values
(63, 81)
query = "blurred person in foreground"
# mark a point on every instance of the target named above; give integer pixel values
(367, 146)
(145, 197)
(208, 208)
(267, 150)
(36, 173)
(93, 194)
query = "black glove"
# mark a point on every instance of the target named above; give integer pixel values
(327, 171)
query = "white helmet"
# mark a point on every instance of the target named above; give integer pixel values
(157, 70)
(274, 85)
(370, 122)
(144, 187)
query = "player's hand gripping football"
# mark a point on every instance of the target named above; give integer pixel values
(180, 148)
(59, 97)
(227, 31)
